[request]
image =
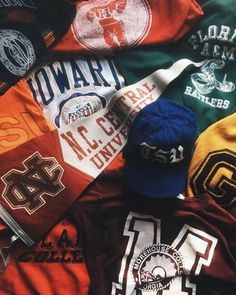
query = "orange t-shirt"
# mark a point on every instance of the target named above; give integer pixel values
(55, 265)
(103, 26)
(21, 119)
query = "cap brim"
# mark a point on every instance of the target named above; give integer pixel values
(156, 182)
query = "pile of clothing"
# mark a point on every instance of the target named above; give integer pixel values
(117, 147)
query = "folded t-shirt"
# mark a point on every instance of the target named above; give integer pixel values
(27, 29)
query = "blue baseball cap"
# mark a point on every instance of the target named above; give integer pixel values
(159, 148)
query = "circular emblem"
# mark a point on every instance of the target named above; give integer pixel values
(156, 267)
(79, 106)
(16, 52)
(107, 24)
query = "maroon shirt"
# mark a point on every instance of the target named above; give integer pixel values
(137, 245)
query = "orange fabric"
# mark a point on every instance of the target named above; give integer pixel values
(163, 22)
(30, 270)
(55, 266)
(20, 117)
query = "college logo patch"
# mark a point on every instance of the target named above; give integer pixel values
(108, 24)
(79, 106)
(16, 52)
(25, 189)
(206, 81)
(156, 267)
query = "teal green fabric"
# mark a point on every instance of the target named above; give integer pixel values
(209, 91)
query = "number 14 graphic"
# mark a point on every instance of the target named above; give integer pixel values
(150, 267)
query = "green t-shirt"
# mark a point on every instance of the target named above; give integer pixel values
(209, 90)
